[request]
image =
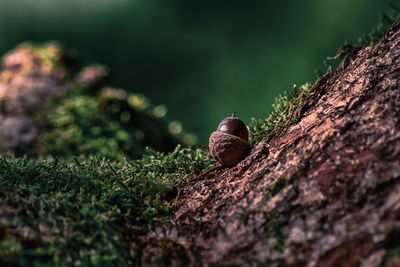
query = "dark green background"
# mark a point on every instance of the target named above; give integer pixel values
(203, 59)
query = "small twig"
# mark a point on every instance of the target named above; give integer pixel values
(216, 167)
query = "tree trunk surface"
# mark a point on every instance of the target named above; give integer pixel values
(326, 193)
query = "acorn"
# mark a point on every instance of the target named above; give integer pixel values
(229, 143)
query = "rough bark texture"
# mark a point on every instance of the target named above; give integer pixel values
(327, 193)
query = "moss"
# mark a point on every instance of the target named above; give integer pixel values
(49, 54)
(114, 124)
(279, 185)
(77, 211)
(281, 116)
(79, 126)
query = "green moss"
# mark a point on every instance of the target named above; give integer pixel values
(79, 126)
(278, 186)
(115, 124)
(281, 116)
(50, 55)
(78, 211)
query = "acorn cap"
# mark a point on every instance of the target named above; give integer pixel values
(234, 126)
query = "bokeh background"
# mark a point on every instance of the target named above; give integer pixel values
(202, 59)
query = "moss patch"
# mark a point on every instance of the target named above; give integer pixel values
(76, 212)
(281, 116)
(114, 124)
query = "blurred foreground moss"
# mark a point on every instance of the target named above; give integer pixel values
(86, 211)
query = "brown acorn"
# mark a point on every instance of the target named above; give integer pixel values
(229, 143)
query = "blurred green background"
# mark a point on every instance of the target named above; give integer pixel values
(203, 59)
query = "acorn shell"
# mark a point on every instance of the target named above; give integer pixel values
(226, 148)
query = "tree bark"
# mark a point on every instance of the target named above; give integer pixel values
(327, 193)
